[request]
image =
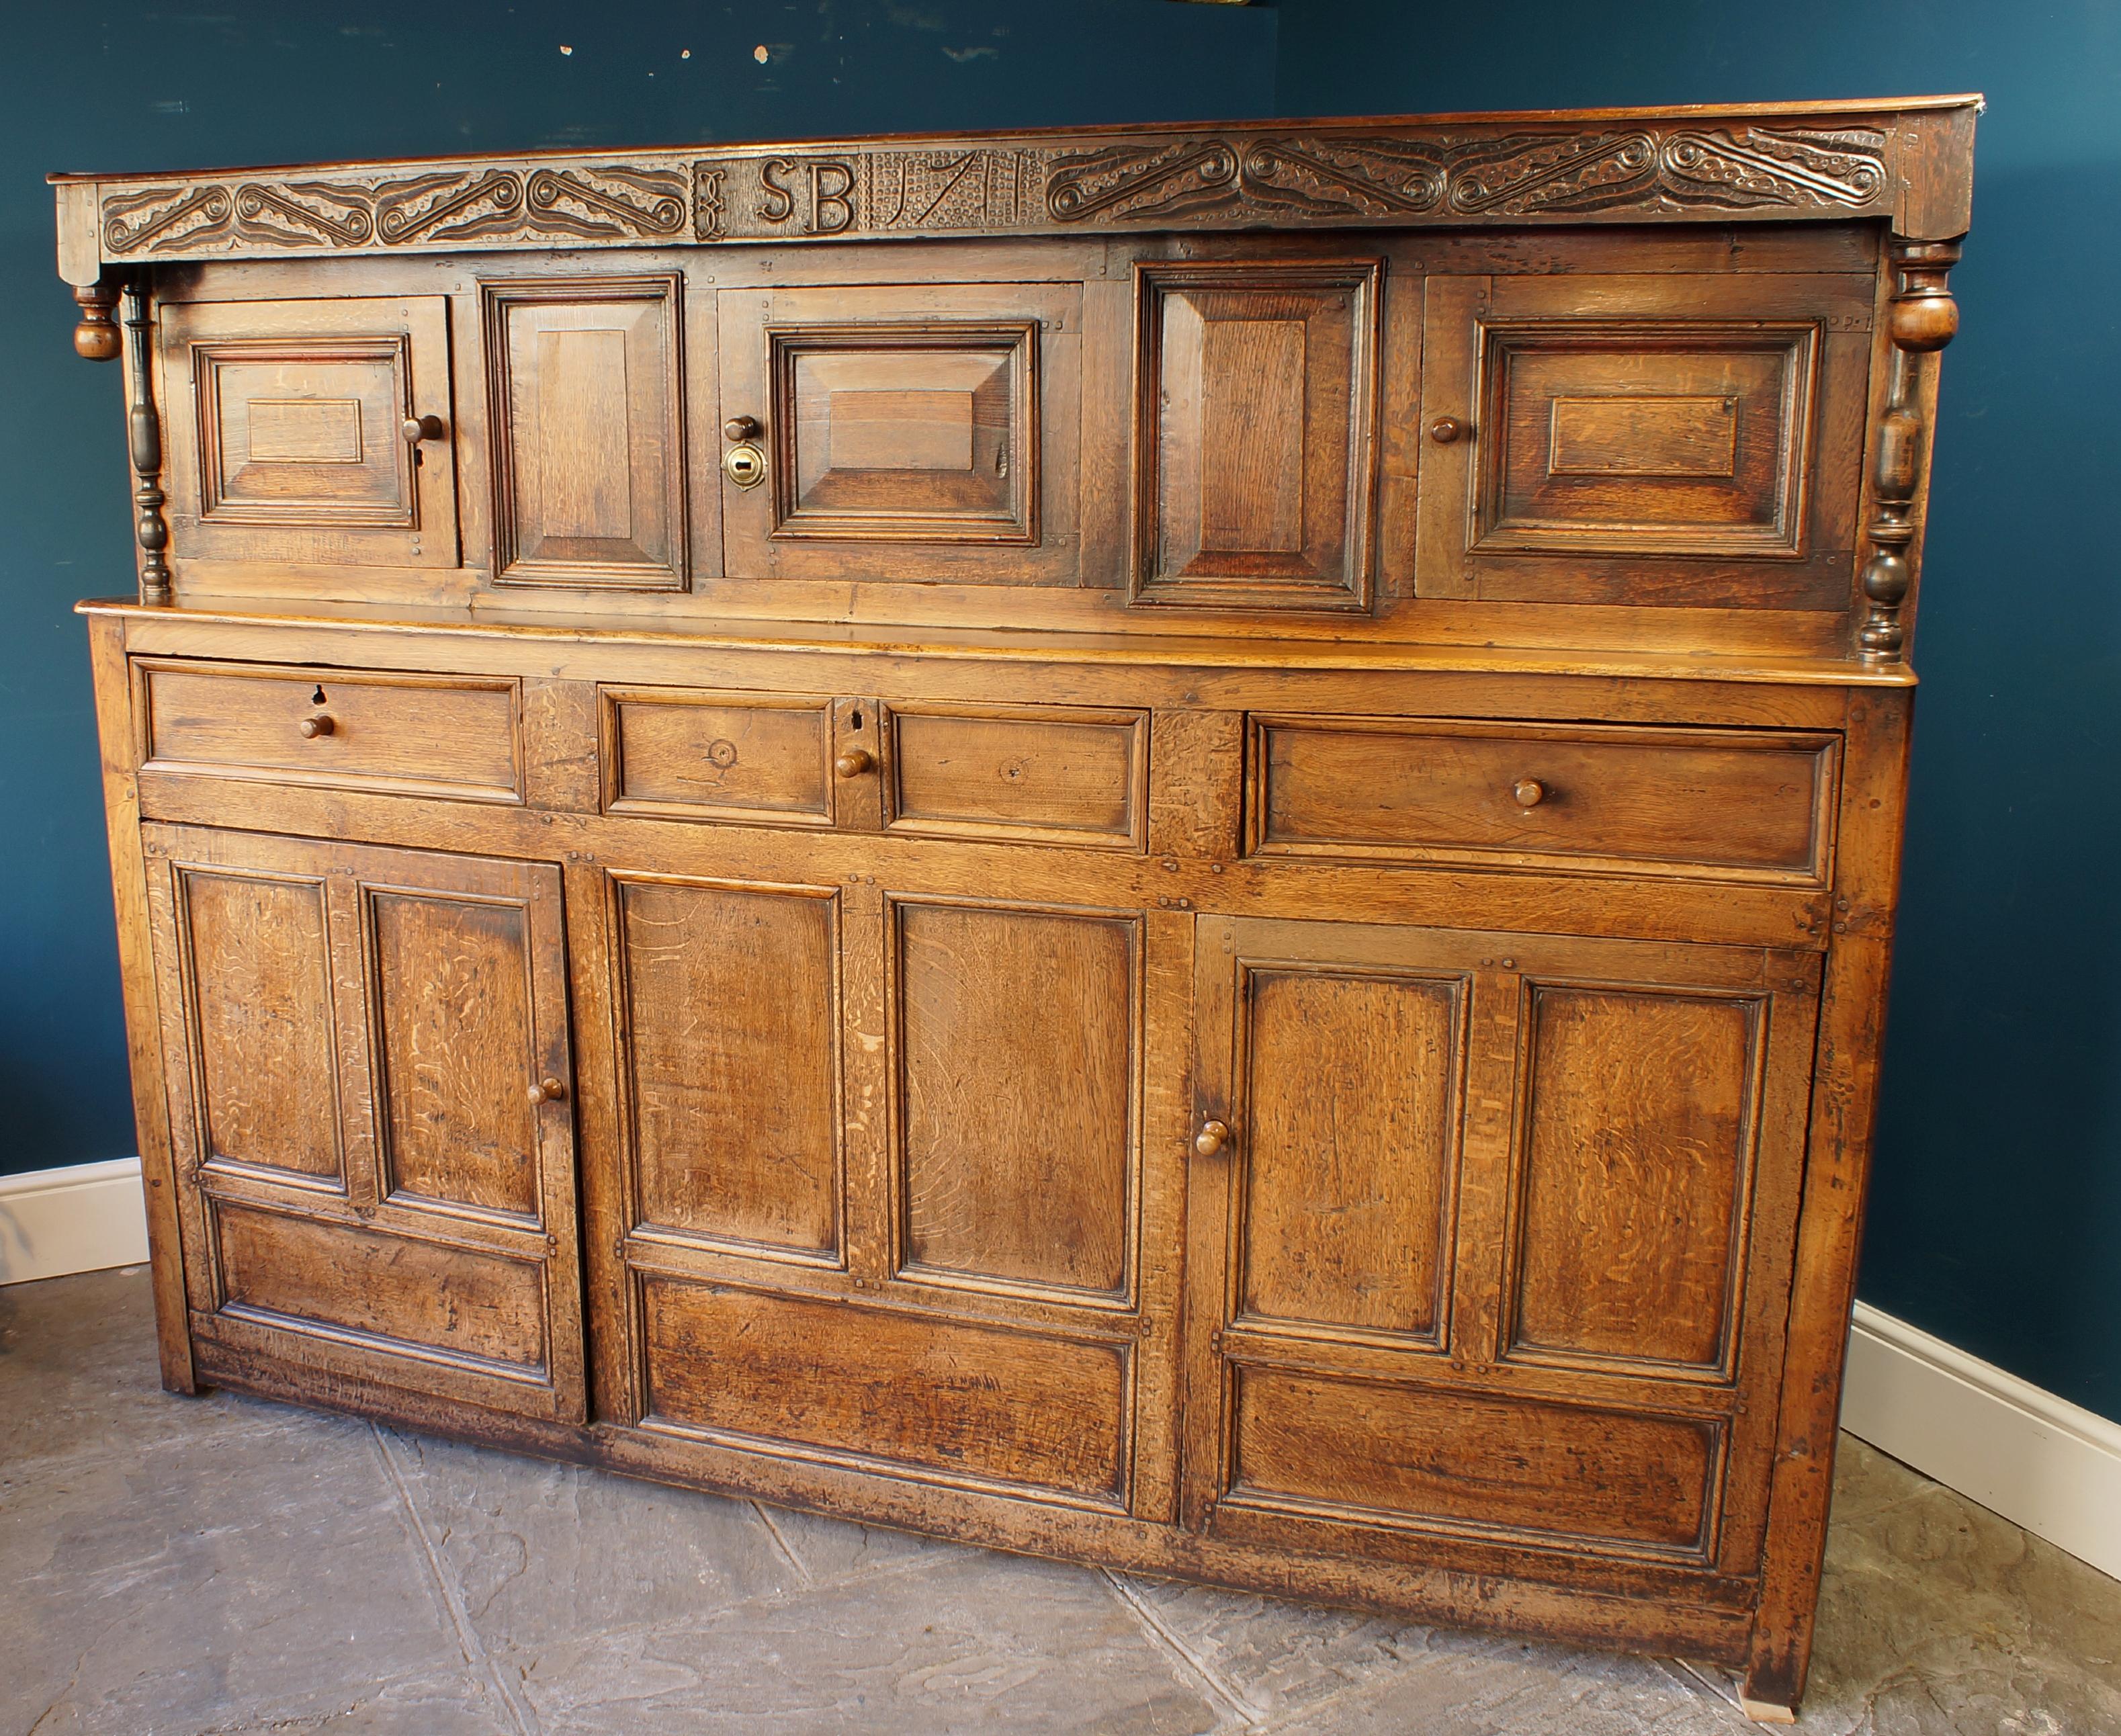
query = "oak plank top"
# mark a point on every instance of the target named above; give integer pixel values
(1043, 645)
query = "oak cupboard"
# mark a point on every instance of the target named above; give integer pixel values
(1175, 845)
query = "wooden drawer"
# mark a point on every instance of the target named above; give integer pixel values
(455, 736)
(1721, 803)
(762, 758)
(1050, 774)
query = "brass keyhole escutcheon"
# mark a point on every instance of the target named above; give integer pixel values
(745, 465)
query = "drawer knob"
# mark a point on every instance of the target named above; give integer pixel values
(743, 428)
(1529, 791)
(1446, 429)
(855, 762)
(1213, 1137)
(313, 727)
(417, 428)
(547, 1090)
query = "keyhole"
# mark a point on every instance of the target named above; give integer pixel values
(317, 698)
(854, 719)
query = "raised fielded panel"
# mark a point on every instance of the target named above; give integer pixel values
(913, 432)
(589, 431)
(1017, 1033)
(730, 999)
(1349, 1098)
(1255, 425)
(253, 972)
(1707, 803)
(1663, 440)
(479, 1311)
(296, 447)
(457, 1050)
(407, 1010)
(1394, 1456)
(1639, 1119)
(890, 1389)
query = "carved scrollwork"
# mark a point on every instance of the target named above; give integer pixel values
(615, 202)
(449, 206)
(1520, 174)
(166, 218)
(304, 213)
(1689, 168)
(976, 187)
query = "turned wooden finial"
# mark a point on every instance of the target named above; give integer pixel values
(96, 338)
(1921, 319)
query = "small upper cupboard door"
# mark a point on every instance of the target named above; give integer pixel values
(922, 432)
(319, 430)
(589, 458)
(1255, 421)
(1650, 441)
(370, 1104)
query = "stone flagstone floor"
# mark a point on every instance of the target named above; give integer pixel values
(172, 1567)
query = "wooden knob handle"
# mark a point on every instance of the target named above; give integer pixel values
(1213, 1137)
(1445, 429)
(313, 727)
(1529, 791)
(417, 428)
(742, 428)
(854, 763)
(547, 1090)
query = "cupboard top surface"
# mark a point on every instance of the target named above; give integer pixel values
(1906, 159)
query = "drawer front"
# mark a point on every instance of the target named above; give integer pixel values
(1052, 775)
(458, 736)
(1721, 803)
(760, 759)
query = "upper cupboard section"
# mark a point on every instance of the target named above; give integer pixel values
(1430, 432)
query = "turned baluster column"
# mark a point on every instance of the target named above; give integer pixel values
(151, 526)
(1921, 319)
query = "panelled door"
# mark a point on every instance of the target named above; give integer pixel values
(311, 431)
(917, 432)
(1660, 441)
(1471, 1221)
(370, 1101)
(883, 1190)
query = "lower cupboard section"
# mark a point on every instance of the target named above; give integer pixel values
(1376, 1453)
(884, 1389)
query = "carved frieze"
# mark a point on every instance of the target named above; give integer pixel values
(1134, 180)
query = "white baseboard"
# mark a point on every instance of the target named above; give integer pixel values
(81, 1218)
(2040, 1461)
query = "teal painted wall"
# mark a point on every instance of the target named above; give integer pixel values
(1995, 1218)
(1997, 1206)
(135, 85)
